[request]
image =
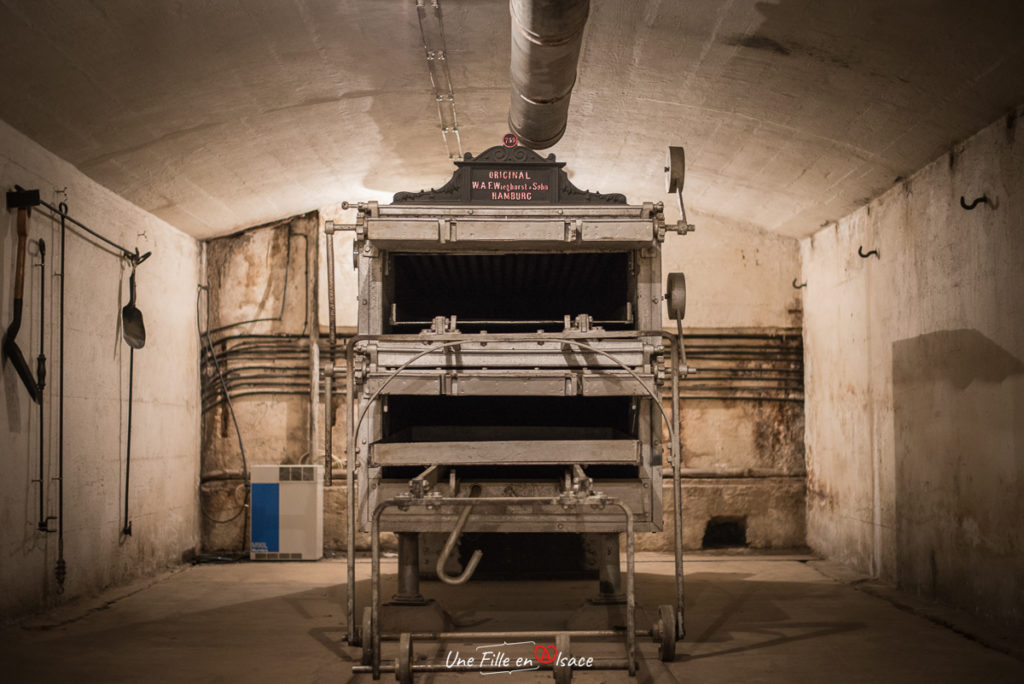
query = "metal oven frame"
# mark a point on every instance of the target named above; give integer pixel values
(583, 359)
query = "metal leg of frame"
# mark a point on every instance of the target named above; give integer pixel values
(374, 634)
(609, 569)
(409, 570)
(630, 589)
(677, 491)
(350, 495)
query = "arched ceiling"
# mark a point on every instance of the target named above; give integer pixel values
(216, 116)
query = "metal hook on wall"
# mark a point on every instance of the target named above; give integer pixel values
(980, 200)
(863, 255)
(800, 286)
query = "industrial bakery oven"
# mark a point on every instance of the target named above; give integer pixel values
(507, 371)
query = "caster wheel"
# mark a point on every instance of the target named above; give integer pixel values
(667, 630)
(366, 636)
(403, 664)
(563, 673)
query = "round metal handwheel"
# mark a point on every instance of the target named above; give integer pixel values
(563, 673)
(675, 169)
(676, 296)
(366, 636)
(667, 630)
(403, 663)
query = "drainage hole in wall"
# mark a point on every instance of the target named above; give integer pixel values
(725, 532)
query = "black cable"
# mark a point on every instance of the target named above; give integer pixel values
(216, 365)
(241, 509)
(231, 407)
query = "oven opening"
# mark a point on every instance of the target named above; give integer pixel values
(517, 292)
(410, 418)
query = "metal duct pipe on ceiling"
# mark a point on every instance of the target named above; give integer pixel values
(546, 38)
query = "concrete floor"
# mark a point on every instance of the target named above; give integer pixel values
(750, 619)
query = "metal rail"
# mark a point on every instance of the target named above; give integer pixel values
(599, 664)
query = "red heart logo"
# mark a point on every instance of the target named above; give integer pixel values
(545, 655)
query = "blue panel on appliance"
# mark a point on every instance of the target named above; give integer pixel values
(265, 517)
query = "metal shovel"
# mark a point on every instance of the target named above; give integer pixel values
(134, 332)
(132, 328)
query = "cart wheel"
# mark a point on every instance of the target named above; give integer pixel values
(366, 636)
(563, 673)
(667, 631)
(356, 638)
(403, 664)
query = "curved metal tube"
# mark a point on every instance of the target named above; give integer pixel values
(449, 546)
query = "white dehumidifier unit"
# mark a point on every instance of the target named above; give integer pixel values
(286, 512)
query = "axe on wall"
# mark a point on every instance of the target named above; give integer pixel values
(23, 201)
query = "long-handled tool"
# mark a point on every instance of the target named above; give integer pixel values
(134, 332)
(44, 521)
(60, 569)
(22, 202)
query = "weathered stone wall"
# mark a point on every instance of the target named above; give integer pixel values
(915, 380)
(261, 322)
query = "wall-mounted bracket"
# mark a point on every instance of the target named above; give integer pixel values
(970, 207)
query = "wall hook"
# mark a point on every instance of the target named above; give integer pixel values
(981, 200)
(800, 286)
(862, 255)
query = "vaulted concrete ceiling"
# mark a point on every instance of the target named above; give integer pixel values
(220, 115)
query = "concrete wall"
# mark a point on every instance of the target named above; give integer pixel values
(737, 276)
(738, 279)
(165, 438)
(915, 383)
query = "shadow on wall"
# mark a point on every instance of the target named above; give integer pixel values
(957, 399)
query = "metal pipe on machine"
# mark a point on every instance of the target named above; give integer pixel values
(546, 39)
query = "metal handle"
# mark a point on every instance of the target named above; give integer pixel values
(19, 270)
